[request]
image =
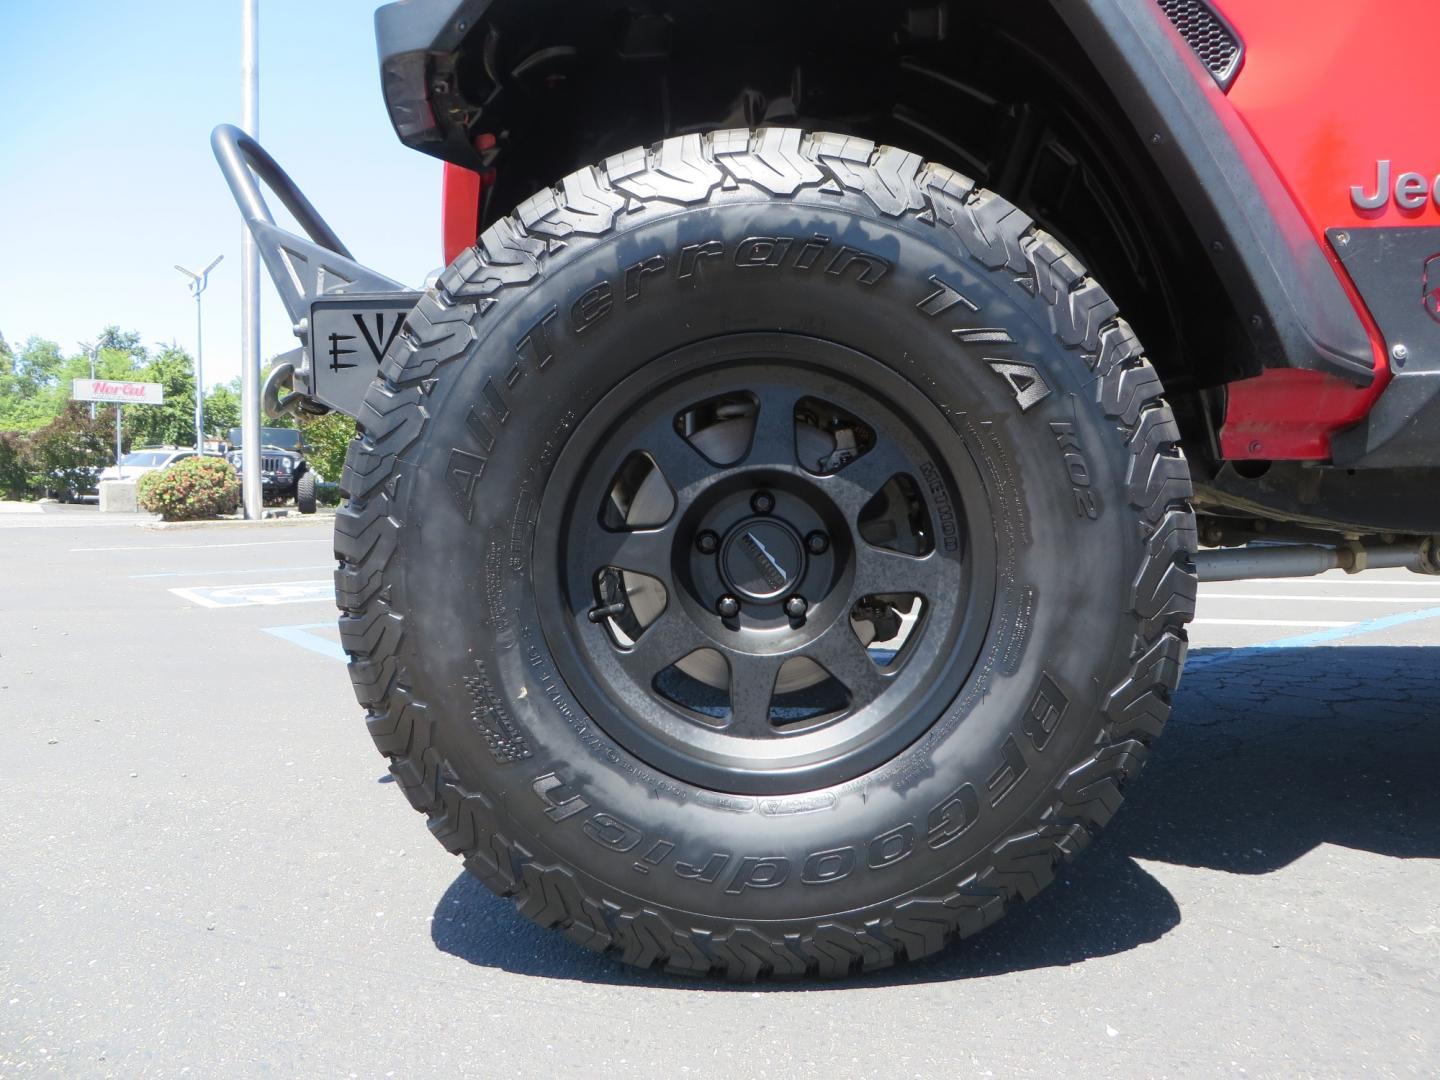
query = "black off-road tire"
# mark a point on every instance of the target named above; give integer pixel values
(1046, 396)
(305, 492)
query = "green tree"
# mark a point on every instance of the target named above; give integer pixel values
(31, 391)
(109, 364)
(172, 423)
(222, 408)
(38, 365)
(9, 381)
(114, 340)
(326, 439)
(14, 466)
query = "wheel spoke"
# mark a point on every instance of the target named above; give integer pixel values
(752, 685)
(774, 440)
(680, 463)
(671, 637)
(644, 551)
(858, 482)
(840, 653)
(880, 570)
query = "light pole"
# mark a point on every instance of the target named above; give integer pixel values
(252, 495)
(90, 351)
(197, 287)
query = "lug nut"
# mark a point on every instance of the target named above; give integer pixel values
(796, 607)
(818, 543)
(728, 607)
(707, 543)
(762, 502)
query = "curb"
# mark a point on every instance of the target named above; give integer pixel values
(279, 518)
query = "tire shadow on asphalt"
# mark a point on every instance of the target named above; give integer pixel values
(1267, 756)
(1273, 753)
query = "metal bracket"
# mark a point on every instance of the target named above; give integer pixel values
(1397, 273)
(305, 269)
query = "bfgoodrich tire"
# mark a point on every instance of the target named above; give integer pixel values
(765, 554)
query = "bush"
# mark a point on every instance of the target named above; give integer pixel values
(191, 489)
(326, 438)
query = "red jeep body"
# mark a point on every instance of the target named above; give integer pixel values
(1259, 180)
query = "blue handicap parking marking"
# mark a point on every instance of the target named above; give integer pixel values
(304, 635)
(258, 594)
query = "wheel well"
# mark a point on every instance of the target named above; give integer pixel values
(999, 91)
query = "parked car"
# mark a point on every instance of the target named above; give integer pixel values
(73, 485)
(284, 472)
(769, 545)
(146, 459)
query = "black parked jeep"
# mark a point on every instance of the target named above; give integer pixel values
(284, 472)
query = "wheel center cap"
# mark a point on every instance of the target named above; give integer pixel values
(762, 559)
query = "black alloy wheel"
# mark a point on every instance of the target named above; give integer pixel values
(749, 590)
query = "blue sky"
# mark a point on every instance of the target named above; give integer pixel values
(107, 180)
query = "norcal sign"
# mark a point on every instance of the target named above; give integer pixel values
(123, 393)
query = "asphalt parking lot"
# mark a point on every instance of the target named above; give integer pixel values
(205, 872)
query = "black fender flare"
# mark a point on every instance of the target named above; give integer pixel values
(1294, 309)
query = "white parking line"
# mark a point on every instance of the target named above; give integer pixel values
(1318, 637)
(1364, 580)
(1266, 622)
(201, 547)
(1321, 599)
